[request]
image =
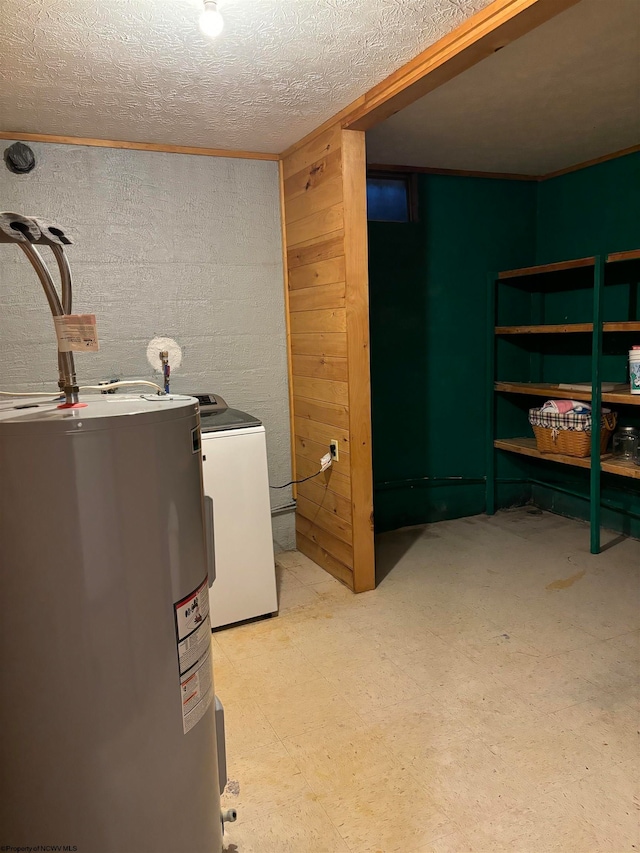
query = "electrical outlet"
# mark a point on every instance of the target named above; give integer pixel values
(333, 447)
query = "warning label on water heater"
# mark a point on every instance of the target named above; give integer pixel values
(196, 687)
(76, 333)
(193, 627)
(193, 632)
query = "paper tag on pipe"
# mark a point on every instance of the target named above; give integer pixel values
(77, 333)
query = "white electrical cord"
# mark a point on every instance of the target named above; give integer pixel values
(119, 384)
(30, 393)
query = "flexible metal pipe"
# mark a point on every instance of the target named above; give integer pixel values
(37, 262)
(65, 277)
(66, 365)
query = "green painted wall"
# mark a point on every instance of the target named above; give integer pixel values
(592, 211)
(428, 309)
(428, 337)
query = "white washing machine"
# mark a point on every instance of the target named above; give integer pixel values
(234, 459)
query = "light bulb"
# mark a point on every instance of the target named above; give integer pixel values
(211, 21)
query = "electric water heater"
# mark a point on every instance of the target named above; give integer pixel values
(107, 729)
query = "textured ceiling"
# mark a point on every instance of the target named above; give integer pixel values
(567, 92)
(140, 70)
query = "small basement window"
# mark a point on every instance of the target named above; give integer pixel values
(391, 196)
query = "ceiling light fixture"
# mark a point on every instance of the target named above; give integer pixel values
(211, 21)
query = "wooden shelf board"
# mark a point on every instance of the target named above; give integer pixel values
(548, 329)
(564, 328)
(547, 268)
(631, 255)
(622, 467)
(624, 326)
(527, 447)
(542, 389)
(610, 464)
(622, 397)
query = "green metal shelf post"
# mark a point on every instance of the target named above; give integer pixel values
(596, 404)
(492, 283)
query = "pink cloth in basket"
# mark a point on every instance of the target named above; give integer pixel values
(564, 406)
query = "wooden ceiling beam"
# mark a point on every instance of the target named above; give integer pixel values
(136, 146)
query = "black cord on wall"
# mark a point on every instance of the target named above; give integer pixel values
(295, 482)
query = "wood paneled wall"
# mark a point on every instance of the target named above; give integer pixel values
(325, 234)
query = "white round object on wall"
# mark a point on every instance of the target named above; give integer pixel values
(158, 345)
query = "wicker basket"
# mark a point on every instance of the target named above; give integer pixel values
(570, 442)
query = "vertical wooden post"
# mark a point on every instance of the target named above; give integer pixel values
(490, 500)
(354, 173)
(596, 404)
(287, 319)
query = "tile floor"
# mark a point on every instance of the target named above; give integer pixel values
(484, 698)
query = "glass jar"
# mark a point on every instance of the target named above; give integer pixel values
(626, 442)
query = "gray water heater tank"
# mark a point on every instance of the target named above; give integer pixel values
(107, 727)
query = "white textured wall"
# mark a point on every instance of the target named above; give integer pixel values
(165, 244)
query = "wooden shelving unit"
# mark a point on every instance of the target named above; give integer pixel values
(540, 280)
